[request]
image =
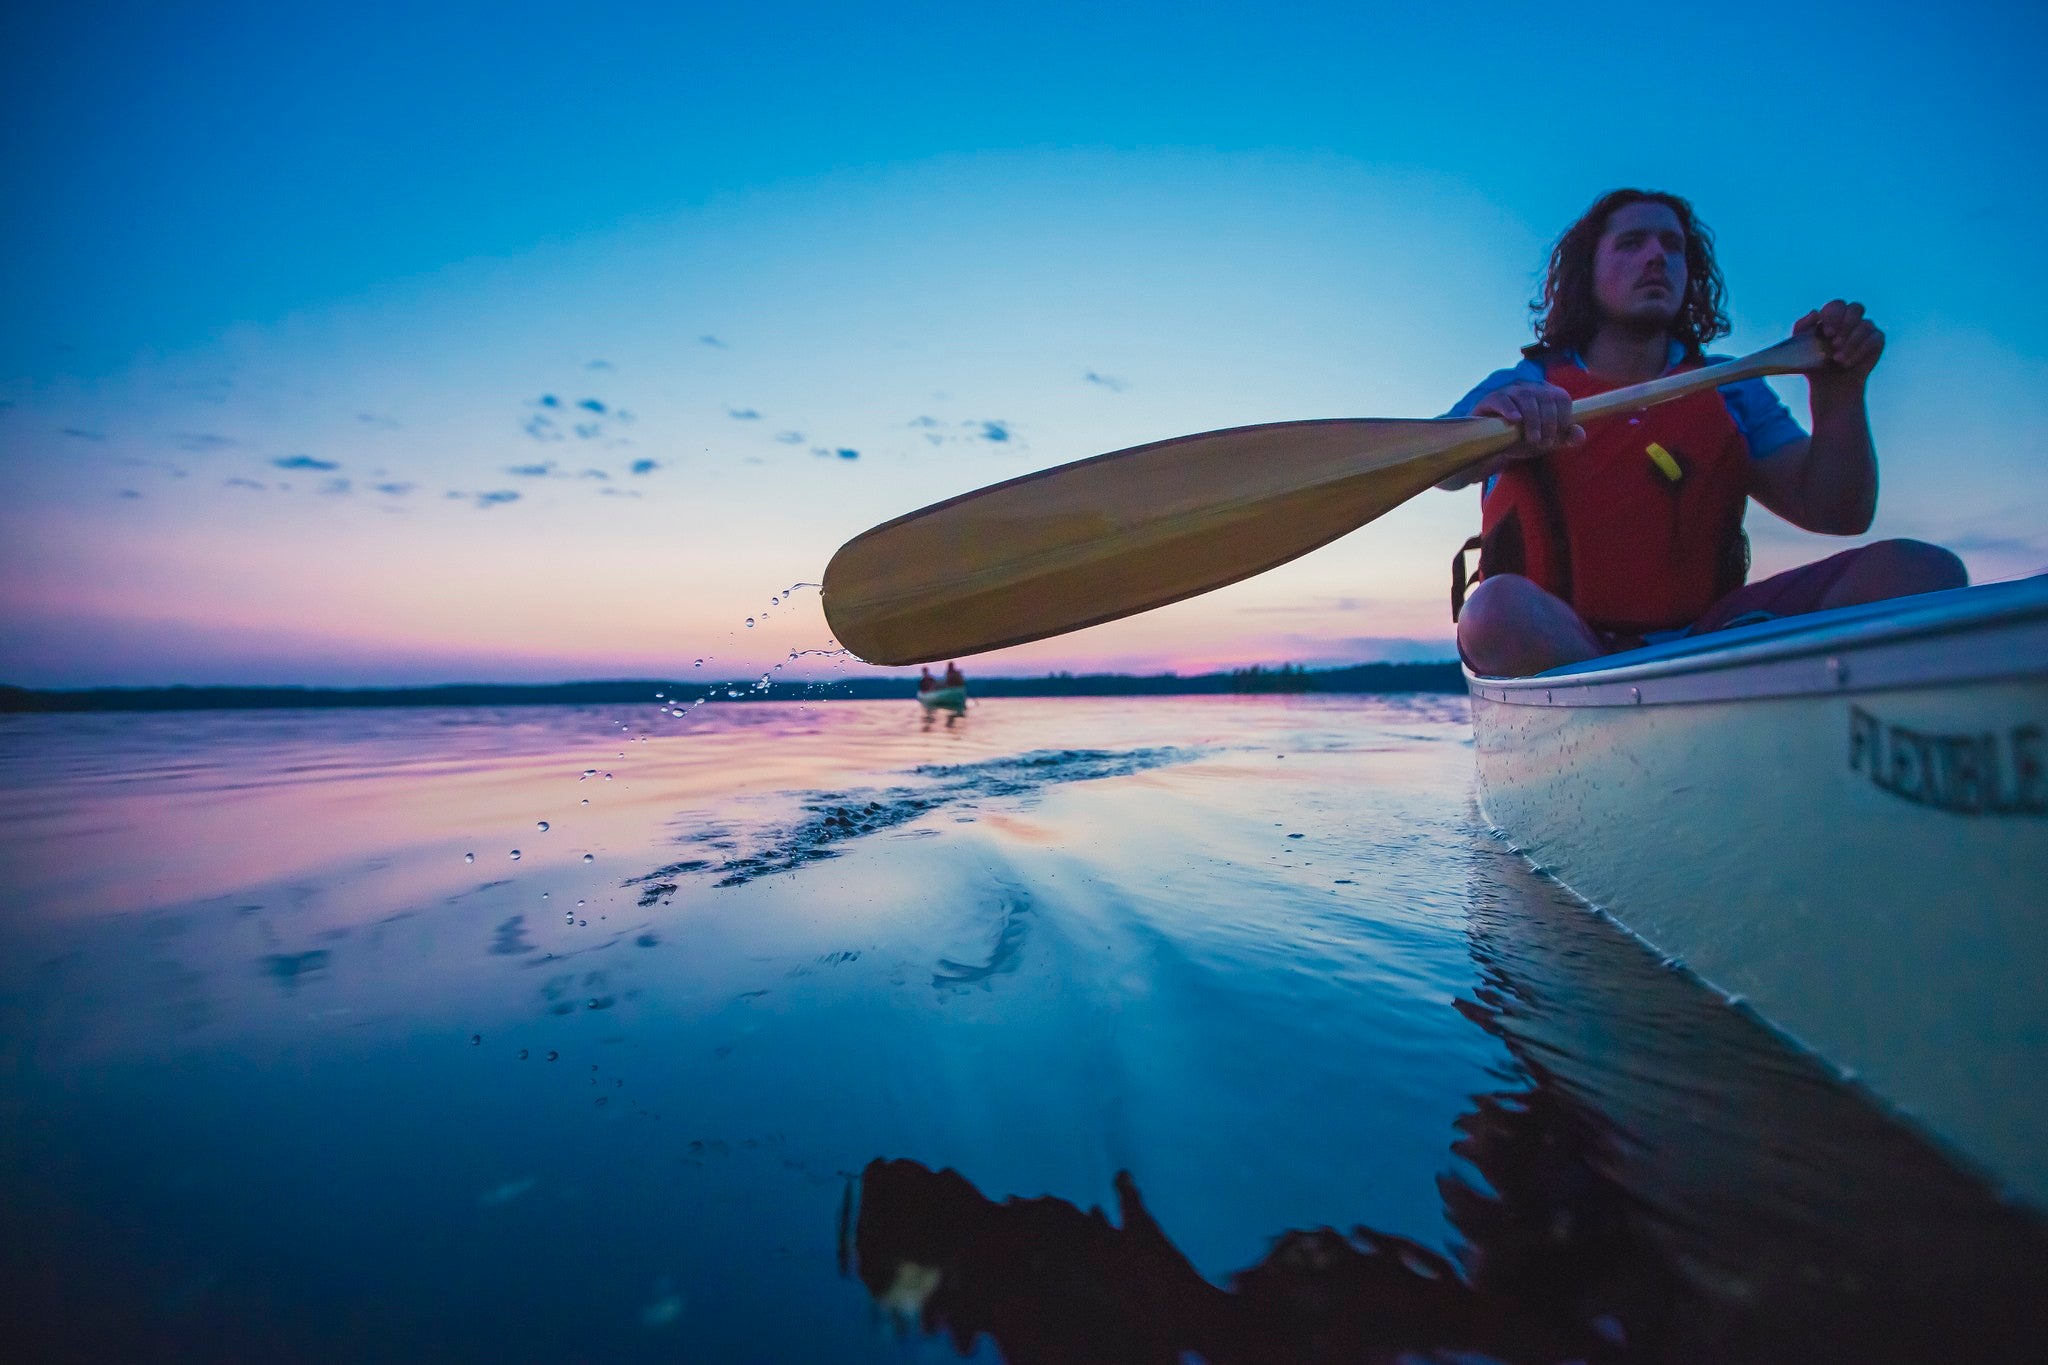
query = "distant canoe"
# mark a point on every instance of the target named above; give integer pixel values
(944, 698)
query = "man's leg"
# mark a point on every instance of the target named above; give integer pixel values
(1895, 568)
(1511, 628)
(1869, 573)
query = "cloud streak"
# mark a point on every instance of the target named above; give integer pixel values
(202, 442)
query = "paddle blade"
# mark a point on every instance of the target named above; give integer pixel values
(1122, 533)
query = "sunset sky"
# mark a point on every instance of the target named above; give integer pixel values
(344, 345)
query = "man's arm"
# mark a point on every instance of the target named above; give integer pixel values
(1828, 481)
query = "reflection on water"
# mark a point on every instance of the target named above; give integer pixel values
(1662, 1181)
(284, 1074)
(1047, 1282)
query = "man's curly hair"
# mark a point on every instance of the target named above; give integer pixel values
(1566, 315)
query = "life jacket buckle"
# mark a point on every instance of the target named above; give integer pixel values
(1666, 463)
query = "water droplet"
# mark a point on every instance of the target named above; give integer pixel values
(589, 858)
(543, 895)
(586, 800)
(588, 772)
(515, 855)
(579, 904)
(698, 664)
(608, 776)
(469, 857)
(543, 827)
(582, 924)
(750, 623)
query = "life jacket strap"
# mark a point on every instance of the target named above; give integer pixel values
(1458, 579)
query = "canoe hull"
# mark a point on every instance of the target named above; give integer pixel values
(1849, 831)
(944, 699)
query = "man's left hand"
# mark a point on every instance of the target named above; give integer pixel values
(1852, 341)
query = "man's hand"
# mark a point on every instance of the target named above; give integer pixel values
(1543, 411)
(1852, 341)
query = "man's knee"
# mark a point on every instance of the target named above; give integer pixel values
(1510, 626)
(1912, 566)
(1497, 603)
(1503, 596)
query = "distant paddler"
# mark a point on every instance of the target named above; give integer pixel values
(947, 694)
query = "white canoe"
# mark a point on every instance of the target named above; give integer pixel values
(944, 698)
(1841, 818)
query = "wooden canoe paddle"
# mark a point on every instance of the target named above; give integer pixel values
(1088, 542)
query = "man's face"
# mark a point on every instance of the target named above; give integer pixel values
(1639, 266)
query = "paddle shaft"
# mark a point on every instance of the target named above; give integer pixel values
(1792, 356)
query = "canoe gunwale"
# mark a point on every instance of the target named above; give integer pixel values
(1904, 643)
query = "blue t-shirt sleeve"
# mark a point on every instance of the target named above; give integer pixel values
(1762, 417)
(1528, 372)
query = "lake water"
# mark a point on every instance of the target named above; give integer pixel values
(1132, 1030)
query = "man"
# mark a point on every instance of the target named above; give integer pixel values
(1630, 533)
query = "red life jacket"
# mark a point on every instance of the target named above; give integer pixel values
(1639, 529)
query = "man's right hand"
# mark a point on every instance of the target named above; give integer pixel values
(1544, 413)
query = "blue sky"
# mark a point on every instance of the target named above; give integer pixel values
(266, 266)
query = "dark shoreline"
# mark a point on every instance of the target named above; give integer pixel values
(1432, 677)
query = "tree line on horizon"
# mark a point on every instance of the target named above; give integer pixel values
(1356, 678)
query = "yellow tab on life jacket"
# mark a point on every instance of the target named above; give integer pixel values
(1661, 458)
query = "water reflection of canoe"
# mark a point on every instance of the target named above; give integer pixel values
(1842, 818)
(944, 698)
(1614, 1203)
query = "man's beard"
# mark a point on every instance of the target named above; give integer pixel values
(1645, 324)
